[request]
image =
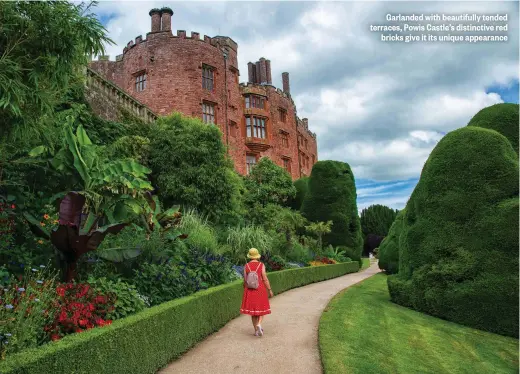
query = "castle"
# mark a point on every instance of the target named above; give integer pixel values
(200, 78)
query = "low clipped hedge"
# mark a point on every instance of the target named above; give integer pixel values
(149, 340)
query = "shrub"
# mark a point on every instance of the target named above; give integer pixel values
(353, 254)
(268, 183)
(191, 168)
(126, 299)
(389, 248)
(298, 253)
(502, 118)
(377, 219)
(332, 196)
(142, 342)
(273, 263)
(455, 259)
(302, 186)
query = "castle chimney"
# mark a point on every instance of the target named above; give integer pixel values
(268, 72)
(251, 72)
(166, 19)
(285, 83)
(263, 73)
(305, 123)
(257, 73)
(156, 19)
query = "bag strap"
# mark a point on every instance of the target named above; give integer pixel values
(258, 267)
(247, 266)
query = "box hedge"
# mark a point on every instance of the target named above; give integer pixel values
(149, 340)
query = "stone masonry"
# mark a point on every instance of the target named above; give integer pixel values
(180, 73)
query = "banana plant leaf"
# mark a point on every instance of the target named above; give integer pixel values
(70, 209)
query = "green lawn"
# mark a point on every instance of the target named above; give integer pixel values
(361, 331)
(366, 263)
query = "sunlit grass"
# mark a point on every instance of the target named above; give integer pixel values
(361, 331)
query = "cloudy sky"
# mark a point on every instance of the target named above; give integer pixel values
(379, 106)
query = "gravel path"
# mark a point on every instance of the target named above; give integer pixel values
(290, 341)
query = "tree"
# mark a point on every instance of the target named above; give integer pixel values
(268, 183)
(458, 248)
(44, 47)
(377, 219)
(332, 197)
(190, 167)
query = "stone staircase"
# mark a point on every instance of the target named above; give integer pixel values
(109, 101)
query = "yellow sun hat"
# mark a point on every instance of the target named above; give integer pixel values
(253, 254)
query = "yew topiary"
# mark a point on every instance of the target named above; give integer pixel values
(458, 248)
(502, 118)
(389, 247)
(331, 196)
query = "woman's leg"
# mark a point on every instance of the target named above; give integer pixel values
(254, 319)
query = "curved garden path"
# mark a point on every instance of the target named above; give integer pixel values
(290, 341)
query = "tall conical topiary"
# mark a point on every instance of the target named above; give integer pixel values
(458, 248)
(388, 252)
(331, 196)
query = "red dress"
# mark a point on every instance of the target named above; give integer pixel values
(255, 302)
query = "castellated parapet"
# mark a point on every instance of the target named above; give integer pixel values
(199, 76)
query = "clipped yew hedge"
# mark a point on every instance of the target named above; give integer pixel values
(149, 340)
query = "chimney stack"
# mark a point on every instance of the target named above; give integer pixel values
(156, 19)
(166, 19)
(285, 83)
(251, 72)
(263, 72)
(268, 72)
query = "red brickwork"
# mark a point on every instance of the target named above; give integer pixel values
(173, 66)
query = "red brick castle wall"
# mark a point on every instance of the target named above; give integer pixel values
(165, 72)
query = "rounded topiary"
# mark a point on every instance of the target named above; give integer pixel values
(499, 117)
(331, 196)
(458, 247)
(388, 252)
(302, 186)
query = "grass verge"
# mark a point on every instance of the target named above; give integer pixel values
(361, 331)
(366, 263)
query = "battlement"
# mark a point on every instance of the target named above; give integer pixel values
(304, 125)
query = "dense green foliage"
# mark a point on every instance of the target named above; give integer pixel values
(44, 45)
(502, 118)
(332, 197)
(191, 168)
(388, 253)
(400, 340)
(458, 249)
(377, 219)
(268, 183)
(143, 344)
(302, 186)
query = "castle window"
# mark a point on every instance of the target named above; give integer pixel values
(250, 162)
(140, 82)
(285, 139)
(255, 127)
(287, 164)
(306, 143)
(255, 101)
(283, 114)
(207, 77)
(208, 113)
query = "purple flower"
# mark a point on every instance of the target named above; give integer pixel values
(39, 282)
(9, 306)
(21, 289)
(34, 270)
(42, 266)
(7, 334)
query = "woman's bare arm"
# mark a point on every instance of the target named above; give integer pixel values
(266, 281)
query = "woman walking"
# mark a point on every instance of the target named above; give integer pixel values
(255, 301)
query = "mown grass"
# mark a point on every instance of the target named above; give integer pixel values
(361, 331)
(366, 263)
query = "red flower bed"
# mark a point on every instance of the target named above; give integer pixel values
(79, 308)
(325, 260)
